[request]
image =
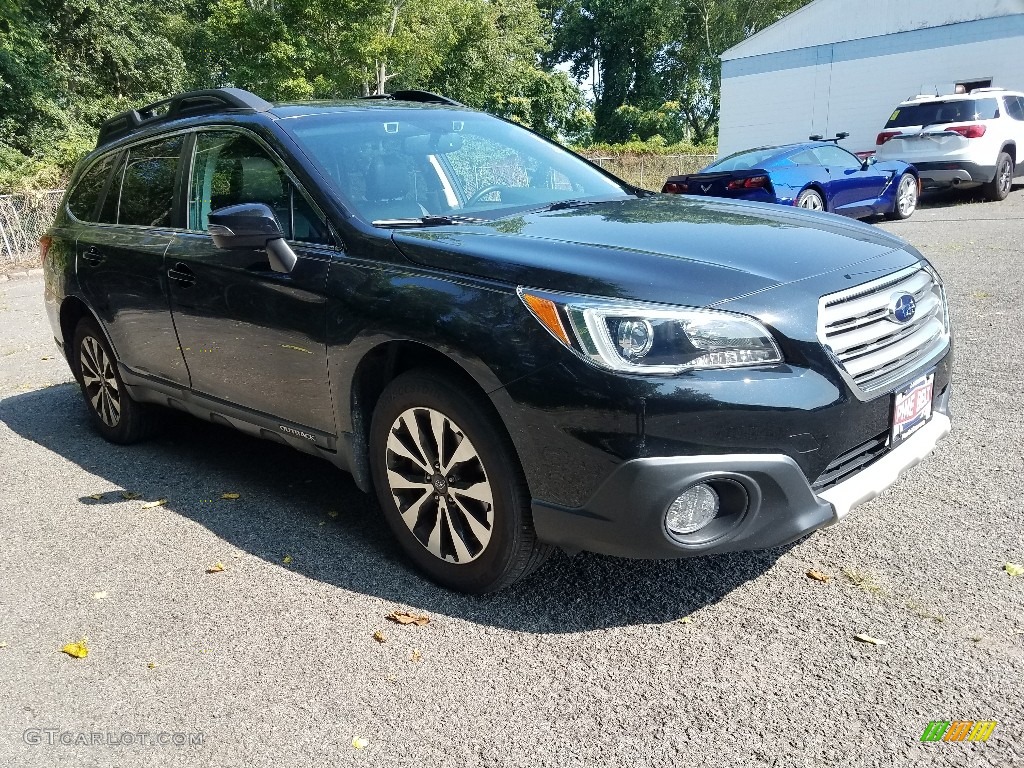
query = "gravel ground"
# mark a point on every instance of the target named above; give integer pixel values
(737, 660)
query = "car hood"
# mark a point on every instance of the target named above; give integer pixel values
(663, 248)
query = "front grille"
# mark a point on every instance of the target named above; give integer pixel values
(871, 347)
(852, 461)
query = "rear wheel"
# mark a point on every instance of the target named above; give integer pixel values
(450, 485)
(811, 200)
(999, 187)
(116, 416)
(906, 198)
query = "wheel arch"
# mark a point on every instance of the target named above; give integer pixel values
(1010, 148)
(72, 310)
(818, 187)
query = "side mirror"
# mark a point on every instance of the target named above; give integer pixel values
(868, 162)
(251, 226)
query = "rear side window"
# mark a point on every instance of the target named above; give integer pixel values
(86, 194)
(834, 157)
(142, 192)
(231, 168)
(940, 112)
(742, 161)
(1015, 107)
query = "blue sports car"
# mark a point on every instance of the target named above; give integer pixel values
(817, 174)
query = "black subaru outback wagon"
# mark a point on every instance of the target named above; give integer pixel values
(513, 348)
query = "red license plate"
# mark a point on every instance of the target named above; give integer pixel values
(912, 408)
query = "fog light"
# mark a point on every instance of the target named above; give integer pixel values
(692, 510)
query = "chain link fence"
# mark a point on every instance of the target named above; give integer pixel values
(650, 171)
(23, 220)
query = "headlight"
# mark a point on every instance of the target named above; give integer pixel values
(649, 338)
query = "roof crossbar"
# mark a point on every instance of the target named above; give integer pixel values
(423, 97)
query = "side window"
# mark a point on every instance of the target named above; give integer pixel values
(231, 168)
(834, 157)
(806, 157)
(142, 192)
(1015, 107)
(86, 195)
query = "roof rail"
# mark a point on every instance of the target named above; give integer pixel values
(423, 97)
(987, 89)
(182, 105)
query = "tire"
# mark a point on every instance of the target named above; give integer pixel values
(115, 415)
(473, 543)
(999, 187)
(811, 200)
(906, 198)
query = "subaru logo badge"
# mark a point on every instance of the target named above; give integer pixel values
(902, 307)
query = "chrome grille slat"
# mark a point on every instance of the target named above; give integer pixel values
(874, 349)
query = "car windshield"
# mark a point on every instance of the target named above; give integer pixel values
(742, 161)
(407, 164)
(938, 112)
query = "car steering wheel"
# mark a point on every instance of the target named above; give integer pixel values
(481, 193)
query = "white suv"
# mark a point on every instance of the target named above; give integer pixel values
(966, 140)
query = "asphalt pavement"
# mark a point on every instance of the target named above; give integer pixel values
(738, 660)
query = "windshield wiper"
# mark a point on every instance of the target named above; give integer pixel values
(426, 221)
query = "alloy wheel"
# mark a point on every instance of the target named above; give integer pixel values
(1005, 176)
(906, 196)
(100, 382)
(812, 203)
(440, 485)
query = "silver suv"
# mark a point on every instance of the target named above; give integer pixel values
(965, 140)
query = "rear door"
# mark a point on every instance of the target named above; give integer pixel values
(253, 337)
(120, 258)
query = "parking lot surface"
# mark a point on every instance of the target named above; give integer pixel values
(739, 660)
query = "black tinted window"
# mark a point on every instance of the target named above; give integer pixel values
(147, 188)
(1015, 107)
(939, 112)
(742, 161)
(87, 191)
(231, 168)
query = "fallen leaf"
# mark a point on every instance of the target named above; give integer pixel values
(3, 645)
(297, 349)
(286, 559)
(332, 513)
(685, 620)
(130, 495)
(869, 640)
(404, 617)
(78, 650)
(231, 496)
(1014, 569)
(818, 576)
(380, 637)
(95, 496)
(360, 743)
(99, 595)
(152, 504)
(416, 655)
(151, 665)
(216, 568)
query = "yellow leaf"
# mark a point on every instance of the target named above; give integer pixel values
(416, 655)
(151, 665)
(78, 650)
(99, 595)
(685, 620)
(130, 495)
(216, 568)
(95, 496)
(1014, 569)
(332, 513)
(3, 645)
(379, 637)
(869, 640)
(286, 559)
(230, 496)
(818, 576)
(405, 617)
(152, 504)
(360, 743)
(297, 349)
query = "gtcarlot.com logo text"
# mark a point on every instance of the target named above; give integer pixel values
(51, 737)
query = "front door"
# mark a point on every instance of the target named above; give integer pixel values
(852, 188)
(251, 336)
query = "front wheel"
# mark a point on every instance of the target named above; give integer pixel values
(450, 485)
(999, 187)
(906, 198)
(811, 200)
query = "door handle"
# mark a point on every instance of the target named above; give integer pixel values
(93, 256)
(181, 273)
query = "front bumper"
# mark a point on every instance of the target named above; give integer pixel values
(625, 517)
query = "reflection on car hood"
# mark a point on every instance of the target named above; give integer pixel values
(664, 248)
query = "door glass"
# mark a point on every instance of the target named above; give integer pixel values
(231, 168)
(86, 194)
(147, 190)
(1015, 107)
(834, 157)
